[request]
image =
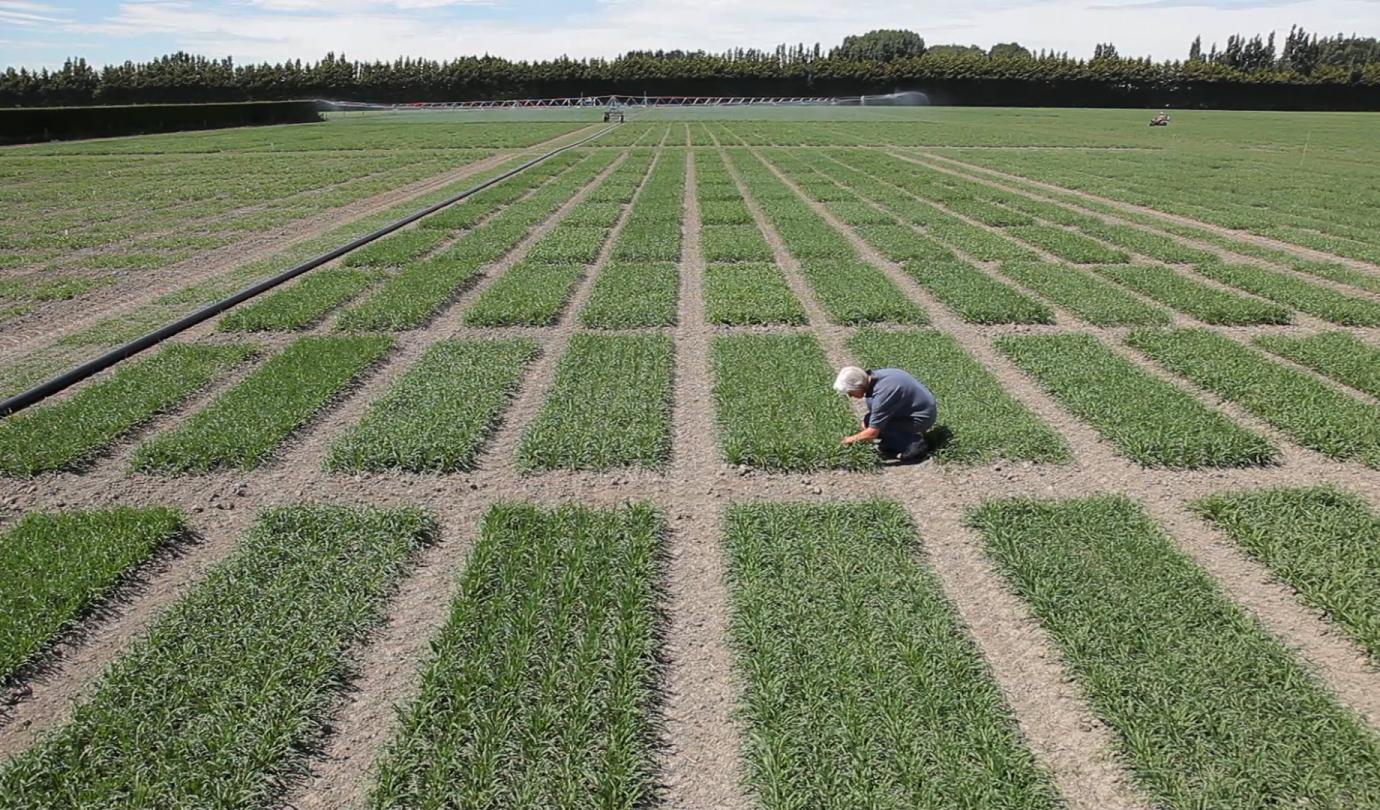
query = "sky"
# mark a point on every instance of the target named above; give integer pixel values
(37, 33)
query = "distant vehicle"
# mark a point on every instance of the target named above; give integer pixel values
(1161, 119)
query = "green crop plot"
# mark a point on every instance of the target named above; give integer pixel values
(627, 296)
(439, 415)
(397, 250)
(1150, 421)
(1085, 295)
(1291, 291)
(609, 407)
(569, 244)
(221, 700)
(1339, 355)
(412, 297)
(243, 426)
(776, 409)
(541, 687)
(299, 306)
(1320, 540)
(1206, 303)
(978, 420)
(54, 568)
(531, 294)
(735, 243)
(1211, 710)
(854, 292)
(1308, 411)
(975, 296)
(740, 294)
(855, 664)
(69, 434)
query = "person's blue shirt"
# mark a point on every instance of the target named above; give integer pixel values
(898, 401)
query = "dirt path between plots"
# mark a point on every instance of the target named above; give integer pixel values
(36, 329)
(1219, 230)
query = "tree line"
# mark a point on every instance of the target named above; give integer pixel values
(1308, 72)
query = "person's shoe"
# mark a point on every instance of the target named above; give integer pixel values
(915, 452)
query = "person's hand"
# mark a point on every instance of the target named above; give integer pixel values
(847, 439)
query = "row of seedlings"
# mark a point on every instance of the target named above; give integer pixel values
(850, 290)
(536, 291)
(640, 284)
(628, 375)
(67, 435)
(1308, 410)
(221, 701)
(1209, 709)
(305, 303)
(892, 222)
(1275, 292)
(742, 284)
(1090, 298)
(1081, 293)
(424, 423)
(414, 296)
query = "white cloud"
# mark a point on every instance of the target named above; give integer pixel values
(22, 12)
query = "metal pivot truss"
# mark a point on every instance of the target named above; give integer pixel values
(594, 101)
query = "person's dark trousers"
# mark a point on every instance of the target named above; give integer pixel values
(900, 436)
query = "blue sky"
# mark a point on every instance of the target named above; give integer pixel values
(44, 32)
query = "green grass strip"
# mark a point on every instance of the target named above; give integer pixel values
(1339, 355)
(1068, 245)
(735, 243)
(439, 415)
(610, 406)
(70, 433)
(1152, 422)
(1310, 412)
(397, 249)
(1340, 273)
(1153, 245)
(1206, 303)
(414, 296)
(55, 567)
(627, 296)
(1291, 291)
(1085, 295)
(540, 691)
(776, 407)
(978, 420)
(749, 293)
(862, 687)
(218, 705)
(241, 428)
(531, 294)
(854, 292)
(975, 296)
(299, 306)
(1211, 710)
(1320, 540)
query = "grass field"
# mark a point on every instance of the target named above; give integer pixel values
(541, 502)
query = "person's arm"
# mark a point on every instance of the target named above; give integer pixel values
(867, 434)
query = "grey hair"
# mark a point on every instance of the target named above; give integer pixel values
(851, 378)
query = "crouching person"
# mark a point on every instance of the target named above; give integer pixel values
(900, 409)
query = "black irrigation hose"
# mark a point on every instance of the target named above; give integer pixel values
(42, 391)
